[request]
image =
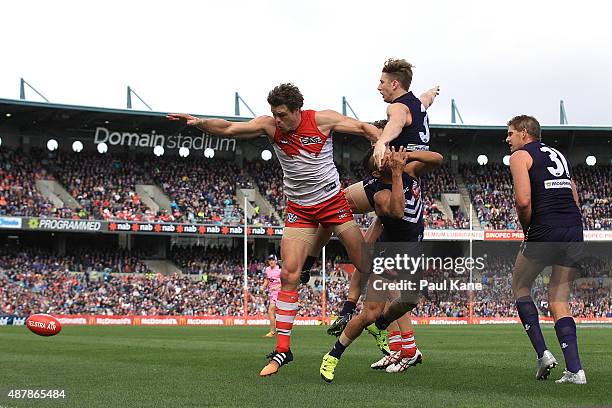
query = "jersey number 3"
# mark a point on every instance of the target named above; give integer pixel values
(424, 135)
(558, 159)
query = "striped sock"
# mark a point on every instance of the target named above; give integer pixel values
(408, 345)
(286, 309)
(395, 341)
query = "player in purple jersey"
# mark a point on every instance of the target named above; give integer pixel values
(407, 126)
(548, 210)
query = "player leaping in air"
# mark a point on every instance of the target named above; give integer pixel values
(311, 183)
(399, 208)
(407, 126)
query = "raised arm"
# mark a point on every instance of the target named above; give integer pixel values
(520, 162)
(427, 98)
(262, 125)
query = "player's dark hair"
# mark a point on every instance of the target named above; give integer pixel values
(528, 123)
(399, 69)
(367, 162)
(380, 123)
(288, 95)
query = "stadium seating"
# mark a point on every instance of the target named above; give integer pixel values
(18, 192)
(203, 191)
(594, 186)
(491, 193)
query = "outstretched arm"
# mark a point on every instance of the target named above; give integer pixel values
(248, 130)
(331, 120)
(421, 162)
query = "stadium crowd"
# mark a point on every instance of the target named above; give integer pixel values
(18, 193)
(595, 190)
(491, 192)
(203, 191)
(84, 283)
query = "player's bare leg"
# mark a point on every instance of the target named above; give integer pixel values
(294, 247)
(357, 285)
(559, 290)
(359, 204)
(353, 329)
(523, 275)
(272, 318)
(357, 198)
(322, 238)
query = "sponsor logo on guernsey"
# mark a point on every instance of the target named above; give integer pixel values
(329, 187)
(416, 147)
(310, 140)
(561, 183)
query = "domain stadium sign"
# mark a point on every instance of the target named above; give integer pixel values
(205, 141)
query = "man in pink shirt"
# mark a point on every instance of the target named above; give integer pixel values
(273, 283)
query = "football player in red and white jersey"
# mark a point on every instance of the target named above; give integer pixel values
(311, 182)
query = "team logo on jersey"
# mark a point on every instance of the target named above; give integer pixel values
(291, 217)
(310, 140)
(342, 214)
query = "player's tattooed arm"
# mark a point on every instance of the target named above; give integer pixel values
(262, 125)
(520, 162)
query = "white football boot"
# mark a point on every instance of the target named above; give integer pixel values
(406, 362)
(386, 361)
(544, 365)
(572, 378)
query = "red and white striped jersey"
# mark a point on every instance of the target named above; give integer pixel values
(307, 158)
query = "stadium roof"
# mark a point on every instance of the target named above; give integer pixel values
(30, 114)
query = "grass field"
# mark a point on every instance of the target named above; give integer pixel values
(486, 366)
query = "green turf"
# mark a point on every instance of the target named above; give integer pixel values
(218, 366)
